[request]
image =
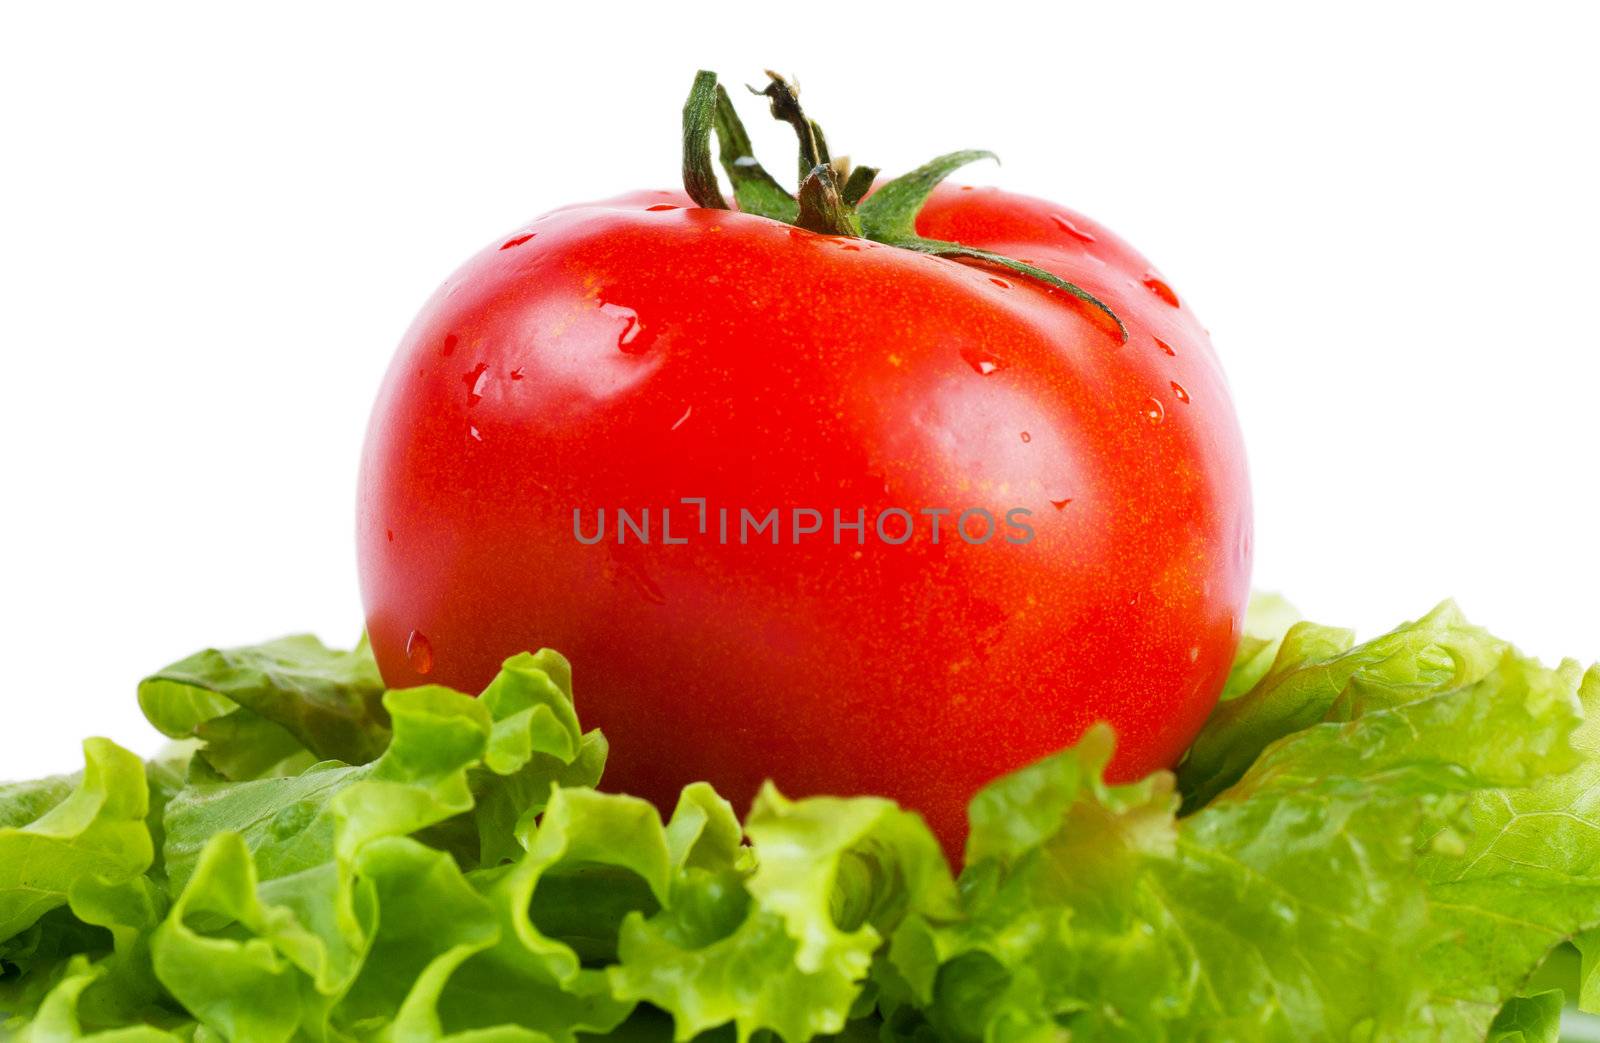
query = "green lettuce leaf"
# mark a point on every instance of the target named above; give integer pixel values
(1529, 1019)
(1369, 841)
(59, 1020)
(1524, 872)
(1317, 676)
(1266, 623)
(781, 940)
(1318, 896)
(57, 833)
(272, 708)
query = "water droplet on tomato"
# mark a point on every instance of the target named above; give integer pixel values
(450, 343)
(852, 247)
(473, 432)
(1153, 411)
(1065, 224)
(679, 422)
(475, 379)
(419, 653)
(982, 360)
(628, 338)
(1160, 289)
(656, 209)
(1178, 389)
(1000, 283)
(1164, 346)
(391, 534)
(1026, 437)
(1060, 504)
(516, 374)
(517, 240)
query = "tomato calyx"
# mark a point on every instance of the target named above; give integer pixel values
(833, 196)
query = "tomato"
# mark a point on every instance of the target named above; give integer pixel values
(645, 354)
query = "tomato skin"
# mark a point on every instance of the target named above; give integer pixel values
(627, 354)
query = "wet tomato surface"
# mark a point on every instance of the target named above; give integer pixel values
(644, 355)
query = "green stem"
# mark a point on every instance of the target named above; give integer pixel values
(833, 199)
(785, 99)
(699, 116)
(822, 205)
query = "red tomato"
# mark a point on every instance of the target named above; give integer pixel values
(636, 352)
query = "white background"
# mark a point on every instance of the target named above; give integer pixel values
(217, 219)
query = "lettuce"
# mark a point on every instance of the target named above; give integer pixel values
(1383, 840)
